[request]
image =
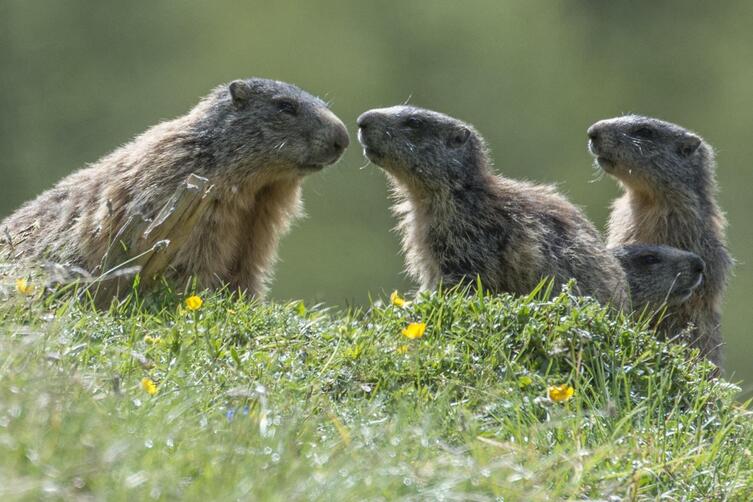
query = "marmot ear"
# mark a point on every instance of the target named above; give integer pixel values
(459, 137)
(688, 145)
(240, 91)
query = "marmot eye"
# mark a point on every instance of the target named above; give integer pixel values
(286, 106)
(412, 122)
(644, 132)
(650, 259)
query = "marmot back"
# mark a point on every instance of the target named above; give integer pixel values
(255, 140)
(458, 220)
(668, 175)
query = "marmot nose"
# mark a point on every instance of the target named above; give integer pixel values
(341, 139)
(593, 133)
(699, 266)
(365, 119)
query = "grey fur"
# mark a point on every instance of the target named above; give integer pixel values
(668, 175)
(459, 220)
(254, 139)
(659, 275)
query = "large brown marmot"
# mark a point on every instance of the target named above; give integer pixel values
(667, 173)
(459, 220)
(659, 275)
(255, 140)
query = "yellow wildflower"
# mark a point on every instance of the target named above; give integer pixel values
(194, 302)
(560, 393)
(153, 340)
(402, 349)
(24, 287)
(414, 330)
(396, 300)
(149, 386)
(524, 381)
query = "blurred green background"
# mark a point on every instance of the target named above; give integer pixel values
(78, 78)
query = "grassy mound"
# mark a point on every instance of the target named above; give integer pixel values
(500, 398)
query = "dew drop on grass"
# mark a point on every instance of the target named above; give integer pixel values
(49, 487)
(136, 479)
(32, 456)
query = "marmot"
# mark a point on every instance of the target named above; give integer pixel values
(668, 175)
(254, 139)
(459, 220)
(659, 275)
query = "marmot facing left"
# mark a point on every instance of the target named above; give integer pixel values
(255, 140)
(659, 275)
(668, 175)
(459, 220)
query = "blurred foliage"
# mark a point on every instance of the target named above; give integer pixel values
(79, 78)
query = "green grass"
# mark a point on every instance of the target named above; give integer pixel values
(263, 401)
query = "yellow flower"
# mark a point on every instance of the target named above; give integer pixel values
(560, 393)
(194, 302)
(24, 287)
(524, 381)
(154, 340)
(414, 330)
(402, 349)
(396, 300)
(149, 386)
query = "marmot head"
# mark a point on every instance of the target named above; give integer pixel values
(659, 274)
(651, 155)
(262, 121)
(421, 148)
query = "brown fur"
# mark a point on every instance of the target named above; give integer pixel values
(254, 139)
(668, 175)
(459, 220)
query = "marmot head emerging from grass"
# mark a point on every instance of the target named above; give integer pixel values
(659, 275)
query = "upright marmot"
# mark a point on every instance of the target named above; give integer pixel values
(460, 220)
(659, 275)
(255, 140)
(667, 173)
